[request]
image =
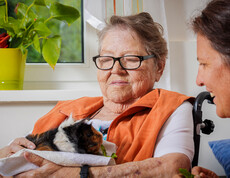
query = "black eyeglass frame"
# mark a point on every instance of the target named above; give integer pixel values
(142, 58)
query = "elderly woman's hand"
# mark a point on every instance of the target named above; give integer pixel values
(16, 145)
(47, 168)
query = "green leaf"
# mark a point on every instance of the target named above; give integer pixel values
(40, 2)
(24, 51)
(105, 153)
(27, 16)
(2, 14)
(16, 42)
(12, 27)
(103, 150)
(2, 11)
(51, 48)
(21, 10)
(41, 29)
(63, 12)
(8, 28)
(113, 155)
(37, 44)
(186, 173)
(2, 3)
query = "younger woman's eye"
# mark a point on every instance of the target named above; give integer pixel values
(202, 64)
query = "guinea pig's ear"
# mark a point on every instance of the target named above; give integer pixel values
(71, 117)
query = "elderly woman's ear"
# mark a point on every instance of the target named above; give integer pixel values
(160, 69)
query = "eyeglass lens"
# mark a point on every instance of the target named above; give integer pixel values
(127, 62)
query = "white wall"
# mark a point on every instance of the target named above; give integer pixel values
(18, 117)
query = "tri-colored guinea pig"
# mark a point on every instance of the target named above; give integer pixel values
(70, 136)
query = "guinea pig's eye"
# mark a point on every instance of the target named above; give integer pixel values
(89, 134)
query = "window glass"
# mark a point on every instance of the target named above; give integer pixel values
(72, 36)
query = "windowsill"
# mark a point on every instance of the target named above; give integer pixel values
(44, 95)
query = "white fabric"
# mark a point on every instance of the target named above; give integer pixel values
(97, 124)
(93, 21)
(95, 16)
(177, 134)
(16, 163)
(100, 126)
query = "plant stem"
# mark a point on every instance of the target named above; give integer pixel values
(28, 45)
(48, 19)
(27, 12)
(6, 13)
(32, 43)
(29, 27)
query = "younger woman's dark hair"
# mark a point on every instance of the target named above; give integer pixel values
(214, 24)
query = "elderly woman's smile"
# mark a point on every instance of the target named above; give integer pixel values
(119, 82)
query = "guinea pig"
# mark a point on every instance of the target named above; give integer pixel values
(70, 136)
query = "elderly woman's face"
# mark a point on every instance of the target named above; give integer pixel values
(214, 74)
(119, 85)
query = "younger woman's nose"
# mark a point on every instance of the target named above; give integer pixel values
(199, 80)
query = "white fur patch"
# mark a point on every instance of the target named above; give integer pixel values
(61, 140)
(66, 122)
(63, 143)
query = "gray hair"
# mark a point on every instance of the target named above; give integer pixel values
(149, 32)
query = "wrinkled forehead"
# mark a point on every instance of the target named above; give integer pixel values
(118, 29)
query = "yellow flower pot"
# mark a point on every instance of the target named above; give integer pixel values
(12, 66)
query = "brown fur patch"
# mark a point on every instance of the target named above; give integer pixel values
(44, 148)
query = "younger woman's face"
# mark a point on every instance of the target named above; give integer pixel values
(214, 74)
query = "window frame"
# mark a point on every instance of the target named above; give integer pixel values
(37, 74)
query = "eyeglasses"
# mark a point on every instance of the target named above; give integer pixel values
(129, 62)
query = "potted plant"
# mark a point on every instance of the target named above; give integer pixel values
(30, 28)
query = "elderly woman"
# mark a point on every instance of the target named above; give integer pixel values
(152, 128)
(213, 54)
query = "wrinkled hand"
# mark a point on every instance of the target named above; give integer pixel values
(203, 173)
(16, 145)
(47, 168)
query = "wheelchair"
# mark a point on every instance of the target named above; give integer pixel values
(206, 126)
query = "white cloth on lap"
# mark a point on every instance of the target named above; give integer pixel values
(16, 163)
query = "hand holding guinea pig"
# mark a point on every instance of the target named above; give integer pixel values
(15, 146)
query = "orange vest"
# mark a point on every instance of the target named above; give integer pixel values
(134, 131)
